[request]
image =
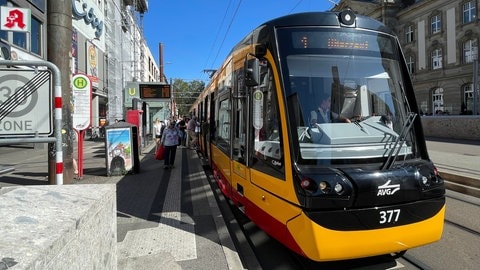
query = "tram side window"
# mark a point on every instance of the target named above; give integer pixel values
(223, 125)
(268, 147)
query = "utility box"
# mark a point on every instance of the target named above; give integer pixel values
(121, 149)
(135, 117)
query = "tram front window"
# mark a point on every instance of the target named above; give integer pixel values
(346, 97)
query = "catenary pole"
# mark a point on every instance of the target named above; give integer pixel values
(59, 52)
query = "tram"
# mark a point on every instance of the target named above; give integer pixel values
(357, 185)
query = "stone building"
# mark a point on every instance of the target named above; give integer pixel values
(440, 44)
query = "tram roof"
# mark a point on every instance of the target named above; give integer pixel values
(326, 19)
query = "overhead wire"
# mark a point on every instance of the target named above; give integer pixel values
(218, 33)
(228, 30)
(226, 33)
(296, 5)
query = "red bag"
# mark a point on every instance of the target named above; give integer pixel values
(159, 152)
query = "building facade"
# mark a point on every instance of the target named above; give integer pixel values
(107, 45)
(23, 45)
(440, 43)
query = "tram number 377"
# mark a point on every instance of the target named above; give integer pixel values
(389, 216)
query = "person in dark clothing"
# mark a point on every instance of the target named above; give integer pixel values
(182, 126)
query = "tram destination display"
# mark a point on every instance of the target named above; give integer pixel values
(154, 91)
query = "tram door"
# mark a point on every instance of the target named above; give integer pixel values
(240, 116)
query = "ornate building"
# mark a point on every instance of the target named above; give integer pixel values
(440, 44)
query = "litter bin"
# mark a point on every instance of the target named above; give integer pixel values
(121, 149)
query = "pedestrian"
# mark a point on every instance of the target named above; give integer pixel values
(157, 128)
(192, 136)
(169, 140)
(182, 126)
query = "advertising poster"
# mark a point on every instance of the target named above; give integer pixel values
(119, 150)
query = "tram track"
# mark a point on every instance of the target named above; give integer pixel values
(463, 228)
(415, 262)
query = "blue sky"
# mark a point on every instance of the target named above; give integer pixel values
(199, 34)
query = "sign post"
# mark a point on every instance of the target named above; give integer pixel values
(82, 112)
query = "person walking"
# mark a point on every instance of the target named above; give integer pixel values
(169, 140)
(158, 128)
(182, 126)
(192, 136)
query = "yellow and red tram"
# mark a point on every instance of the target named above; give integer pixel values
(358, 184)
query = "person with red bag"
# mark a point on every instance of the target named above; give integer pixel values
(169, 140)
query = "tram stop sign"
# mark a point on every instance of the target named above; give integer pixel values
(82, 101)
(25, 103)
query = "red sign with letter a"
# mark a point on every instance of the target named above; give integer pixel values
(15, 19)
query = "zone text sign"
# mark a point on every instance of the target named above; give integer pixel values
(25, 103)
(154, 91)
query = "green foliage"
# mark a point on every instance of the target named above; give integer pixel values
(185, 94)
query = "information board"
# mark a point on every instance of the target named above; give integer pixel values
(82, 101)
(154, 90)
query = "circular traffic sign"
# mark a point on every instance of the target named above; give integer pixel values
(6, 92)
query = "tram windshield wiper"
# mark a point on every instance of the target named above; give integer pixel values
(357, 123)
(407, 126)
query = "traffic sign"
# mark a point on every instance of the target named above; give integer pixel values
(25, 103)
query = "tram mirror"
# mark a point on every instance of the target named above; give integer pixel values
(252, 72)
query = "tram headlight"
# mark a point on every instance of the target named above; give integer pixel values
(429, 177)
(424, 180)
(324, 186)
(308, 184)
(338, 188)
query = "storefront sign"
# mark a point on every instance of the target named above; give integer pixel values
(15, 19)
(90, 13)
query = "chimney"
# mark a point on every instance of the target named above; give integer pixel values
(160, 62)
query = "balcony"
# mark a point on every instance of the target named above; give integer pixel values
(140, 5)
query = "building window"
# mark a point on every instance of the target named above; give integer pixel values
(436, 24)
(20, 39)
(409, 34)
(469, 11)
(3, 34)
(410, 64)
(437, 58)
(437, 100)
(30, 42)
(467, 104)
(36, 36)
(470, 50)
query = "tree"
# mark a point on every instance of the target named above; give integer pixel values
(185, 94)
